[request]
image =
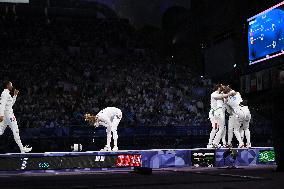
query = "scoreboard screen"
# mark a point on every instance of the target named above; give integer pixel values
(266, 156)
(203, 158)
(266, 34)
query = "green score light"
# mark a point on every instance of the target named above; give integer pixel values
(266, 156)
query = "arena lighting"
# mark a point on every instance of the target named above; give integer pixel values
(201, 76)
(235, 65)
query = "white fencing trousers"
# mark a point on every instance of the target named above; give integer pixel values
(220, 119)
(213, 131)
(112, 130)
(224, 135)
(244, 130)
(234, 127)
(10, 120)
(244, 121)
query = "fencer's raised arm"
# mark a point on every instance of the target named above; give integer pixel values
(16, 92)
(4, 97)
(14, 100)
(219, 96)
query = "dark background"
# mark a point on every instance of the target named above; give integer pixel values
(126, 54)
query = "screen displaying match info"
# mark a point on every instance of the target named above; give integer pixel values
(266, 34)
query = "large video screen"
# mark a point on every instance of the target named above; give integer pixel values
(266, 34)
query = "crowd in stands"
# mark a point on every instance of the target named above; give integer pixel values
(65, 68)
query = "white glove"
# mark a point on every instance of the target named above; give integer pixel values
(96, 124)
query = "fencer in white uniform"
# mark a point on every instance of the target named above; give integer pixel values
(231, 123)
(239, 119)
(7, 117)
(224, 134)
(217, 117)
(220, 116)
(109, 118)
(244, 128)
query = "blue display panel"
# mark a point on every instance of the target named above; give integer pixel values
(266, 34)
